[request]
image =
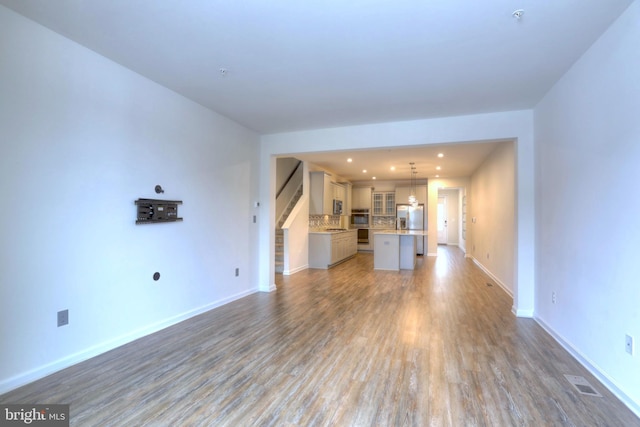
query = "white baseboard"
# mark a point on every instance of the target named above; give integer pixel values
(295, 270)
(271, 288)
(432, 254)
(65, 362)
(493, 277)
(591, 367)
(522, 313)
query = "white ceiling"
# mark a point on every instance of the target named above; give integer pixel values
(297, 65)
(459, 160)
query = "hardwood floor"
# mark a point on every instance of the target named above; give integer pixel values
(342, 347)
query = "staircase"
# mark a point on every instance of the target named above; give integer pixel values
(279, 252)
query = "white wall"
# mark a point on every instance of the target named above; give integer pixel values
(296, 230)
(515, 125)
(587, 174)
(82, 138)
(491, 201)
(296, 238)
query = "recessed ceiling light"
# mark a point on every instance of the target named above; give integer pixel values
(373, 177)
(438, 168)
(437, 176)
(517, 14)
(364, 171)
(393, 168)
(349, 160)
(223, 71)
(440, 155)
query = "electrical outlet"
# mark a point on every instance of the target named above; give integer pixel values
(237, 272)
(553, 297)
(63, 318)
(628, 344)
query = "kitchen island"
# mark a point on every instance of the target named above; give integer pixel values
(331, 246)
(395, 249)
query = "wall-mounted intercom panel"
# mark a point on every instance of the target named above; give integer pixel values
(153, 210)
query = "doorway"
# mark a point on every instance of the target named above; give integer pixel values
(443, 238)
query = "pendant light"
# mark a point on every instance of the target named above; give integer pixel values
(415, 188)
(412, 197)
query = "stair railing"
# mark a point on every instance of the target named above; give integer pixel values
(288, 191)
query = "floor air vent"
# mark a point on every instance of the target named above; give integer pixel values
(582, 385)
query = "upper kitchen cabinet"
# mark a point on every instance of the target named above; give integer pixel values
(361, 198)
(323, 191)
(347, 202)
(383, 203)
(339, 192)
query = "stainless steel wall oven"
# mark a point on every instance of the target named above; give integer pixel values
(359, 218)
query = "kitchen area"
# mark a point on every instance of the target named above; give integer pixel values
(388, 220)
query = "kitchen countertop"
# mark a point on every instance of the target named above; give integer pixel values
(403, 232)
(331, 231)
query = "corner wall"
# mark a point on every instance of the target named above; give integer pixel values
(82, 138)
(587, 174)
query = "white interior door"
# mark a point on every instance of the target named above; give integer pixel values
(442, 220)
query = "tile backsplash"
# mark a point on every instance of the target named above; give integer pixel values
(383, 222)
(323, 221)
(320, 222)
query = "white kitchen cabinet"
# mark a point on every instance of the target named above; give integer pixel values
(329, 249)
(339, 191)
(361, 198)
(338, 248)
(347, 202)
(383, 203)
(321, 189)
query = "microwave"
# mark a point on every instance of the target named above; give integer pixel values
(337, 207)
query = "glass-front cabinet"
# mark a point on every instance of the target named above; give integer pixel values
(383, 203)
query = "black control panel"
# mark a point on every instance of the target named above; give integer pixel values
(152, 211)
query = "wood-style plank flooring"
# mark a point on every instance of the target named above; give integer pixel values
(345, 347)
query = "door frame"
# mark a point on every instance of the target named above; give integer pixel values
(443, 235)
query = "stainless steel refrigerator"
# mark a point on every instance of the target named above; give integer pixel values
(411, 218)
